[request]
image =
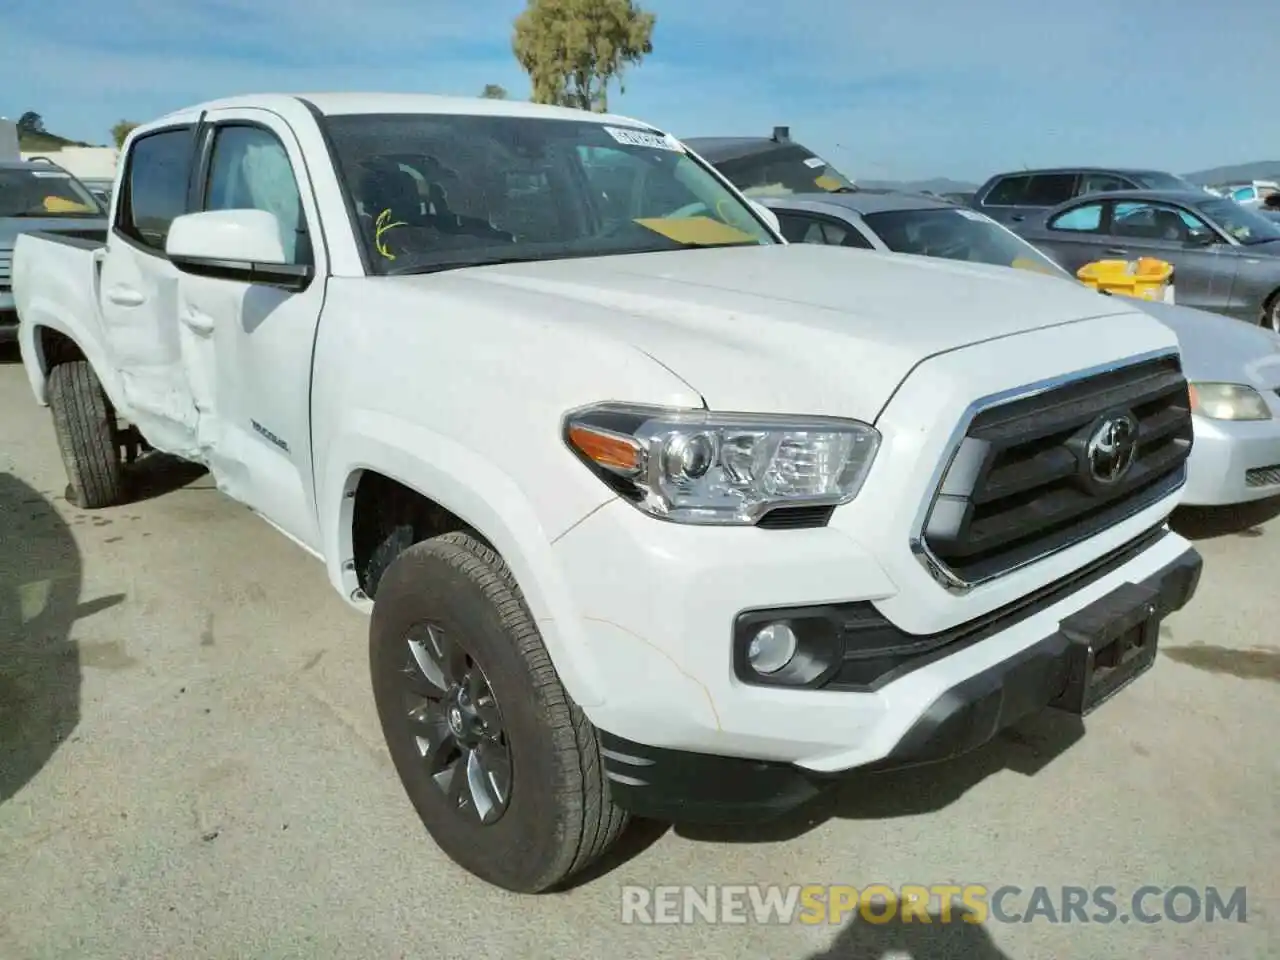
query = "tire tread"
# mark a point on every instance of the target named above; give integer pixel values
(86, 439)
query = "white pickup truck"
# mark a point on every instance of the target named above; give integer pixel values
(653, 513)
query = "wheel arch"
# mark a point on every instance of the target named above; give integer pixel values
(386, 473)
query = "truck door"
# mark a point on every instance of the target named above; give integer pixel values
(259, 337)
(137, 291)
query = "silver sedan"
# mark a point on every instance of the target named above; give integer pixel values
(1234, 368)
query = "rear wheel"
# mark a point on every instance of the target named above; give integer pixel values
(502, 766)
(85, 424)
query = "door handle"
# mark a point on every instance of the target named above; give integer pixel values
(1115, 251)
(1017, 217)
(198, 321)
(125, 297)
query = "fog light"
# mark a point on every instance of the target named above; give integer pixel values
(772, 648)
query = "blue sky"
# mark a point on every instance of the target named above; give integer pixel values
(904, 89)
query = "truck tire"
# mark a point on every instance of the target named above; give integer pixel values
(84, 423)
(501, 765)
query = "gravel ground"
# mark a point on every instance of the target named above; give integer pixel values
(191, 766)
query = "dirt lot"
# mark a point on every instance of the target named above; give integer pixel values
(190, 766)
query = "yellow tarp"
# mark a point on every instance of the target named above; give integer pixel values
(702, 230)
(60, 205)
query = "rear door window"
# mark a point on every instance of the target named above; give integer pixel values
(1050, 189)
(1085, 219)
(156, 186)
(1007, 192)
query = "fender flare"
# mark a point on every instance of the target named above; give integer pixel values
(30, 342)
(484, 497)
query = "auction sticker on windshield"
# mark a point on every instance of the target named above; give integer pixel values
(641, 138)
(814, 162)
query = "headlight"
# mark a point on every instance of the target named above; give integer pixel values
(693, 466)
(1228, 401)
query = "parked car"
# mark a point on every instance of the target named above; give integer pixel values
(1226, 257)
(653, 512)
(38, 197)
(1234, 369)
(1252, 193)
(770, 166)
(1016, 196)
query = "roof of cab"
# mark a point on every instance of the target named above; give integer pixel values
(345, 104)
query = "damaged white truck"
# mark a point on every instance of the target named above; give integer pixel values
(653, 513)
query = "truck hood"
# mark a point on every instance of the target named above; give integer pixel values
(796, 328)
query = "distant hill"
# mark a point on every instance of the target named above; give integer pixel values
(43, 142)
(1239, 173)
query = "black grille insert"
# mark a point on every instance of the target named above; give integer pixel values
(1021, 487)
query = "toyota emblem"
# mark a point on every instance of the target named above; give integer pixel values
(1112, 448)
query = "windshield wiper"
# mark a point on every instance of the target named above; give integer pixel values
(458, 263)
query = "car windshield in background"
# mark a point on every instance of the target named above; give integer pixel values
(438, 191)
(1247, 226)
(38, 192)
(957, 235)
(784, 170)
(1163, 181)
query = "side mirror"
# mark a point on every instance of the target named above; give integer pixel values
(242, 245)
(767, 215)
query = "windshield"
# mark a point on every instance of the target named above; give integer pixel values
(44, 192)
(785, 170)
(433, 192)
(956, 234)
(1245, 225)
(1164, 181)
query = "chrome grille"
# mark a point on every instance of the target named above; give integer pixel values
(6, 267)
(1019, 486)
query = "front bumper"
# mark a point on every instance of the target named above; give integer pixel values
(1233, 462)
(685, 786)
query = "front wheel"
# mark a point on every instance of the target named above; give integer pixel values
(1271, 313)
(88, 439)
(501, 765)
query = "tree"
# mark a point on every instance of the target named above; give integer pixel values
(31, 122)
(493, 91)
(121, 130)
(573, 49)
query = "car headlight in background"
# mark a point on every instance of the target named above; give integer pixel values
(1228, 401)
(698, 467)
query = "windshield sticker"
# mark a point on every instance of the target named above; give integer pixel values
(51, 174)
(381, 226)
(828, 183)
(701, 231)
(642, 138)
(815, 162)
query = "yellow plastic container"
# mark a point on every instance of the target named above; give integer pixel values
(1145, 278)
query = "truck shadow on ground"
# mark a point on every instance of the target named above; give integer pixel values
(155, 474)
(41, 575)
(961, 937)
(1237, 520)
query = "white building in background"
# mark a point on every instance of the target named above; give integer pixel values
(85, 163)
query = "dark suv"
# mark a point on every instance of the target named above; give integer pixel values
(1011, 197)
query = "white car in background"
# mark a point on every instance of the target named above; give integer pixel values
(1233, 367)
